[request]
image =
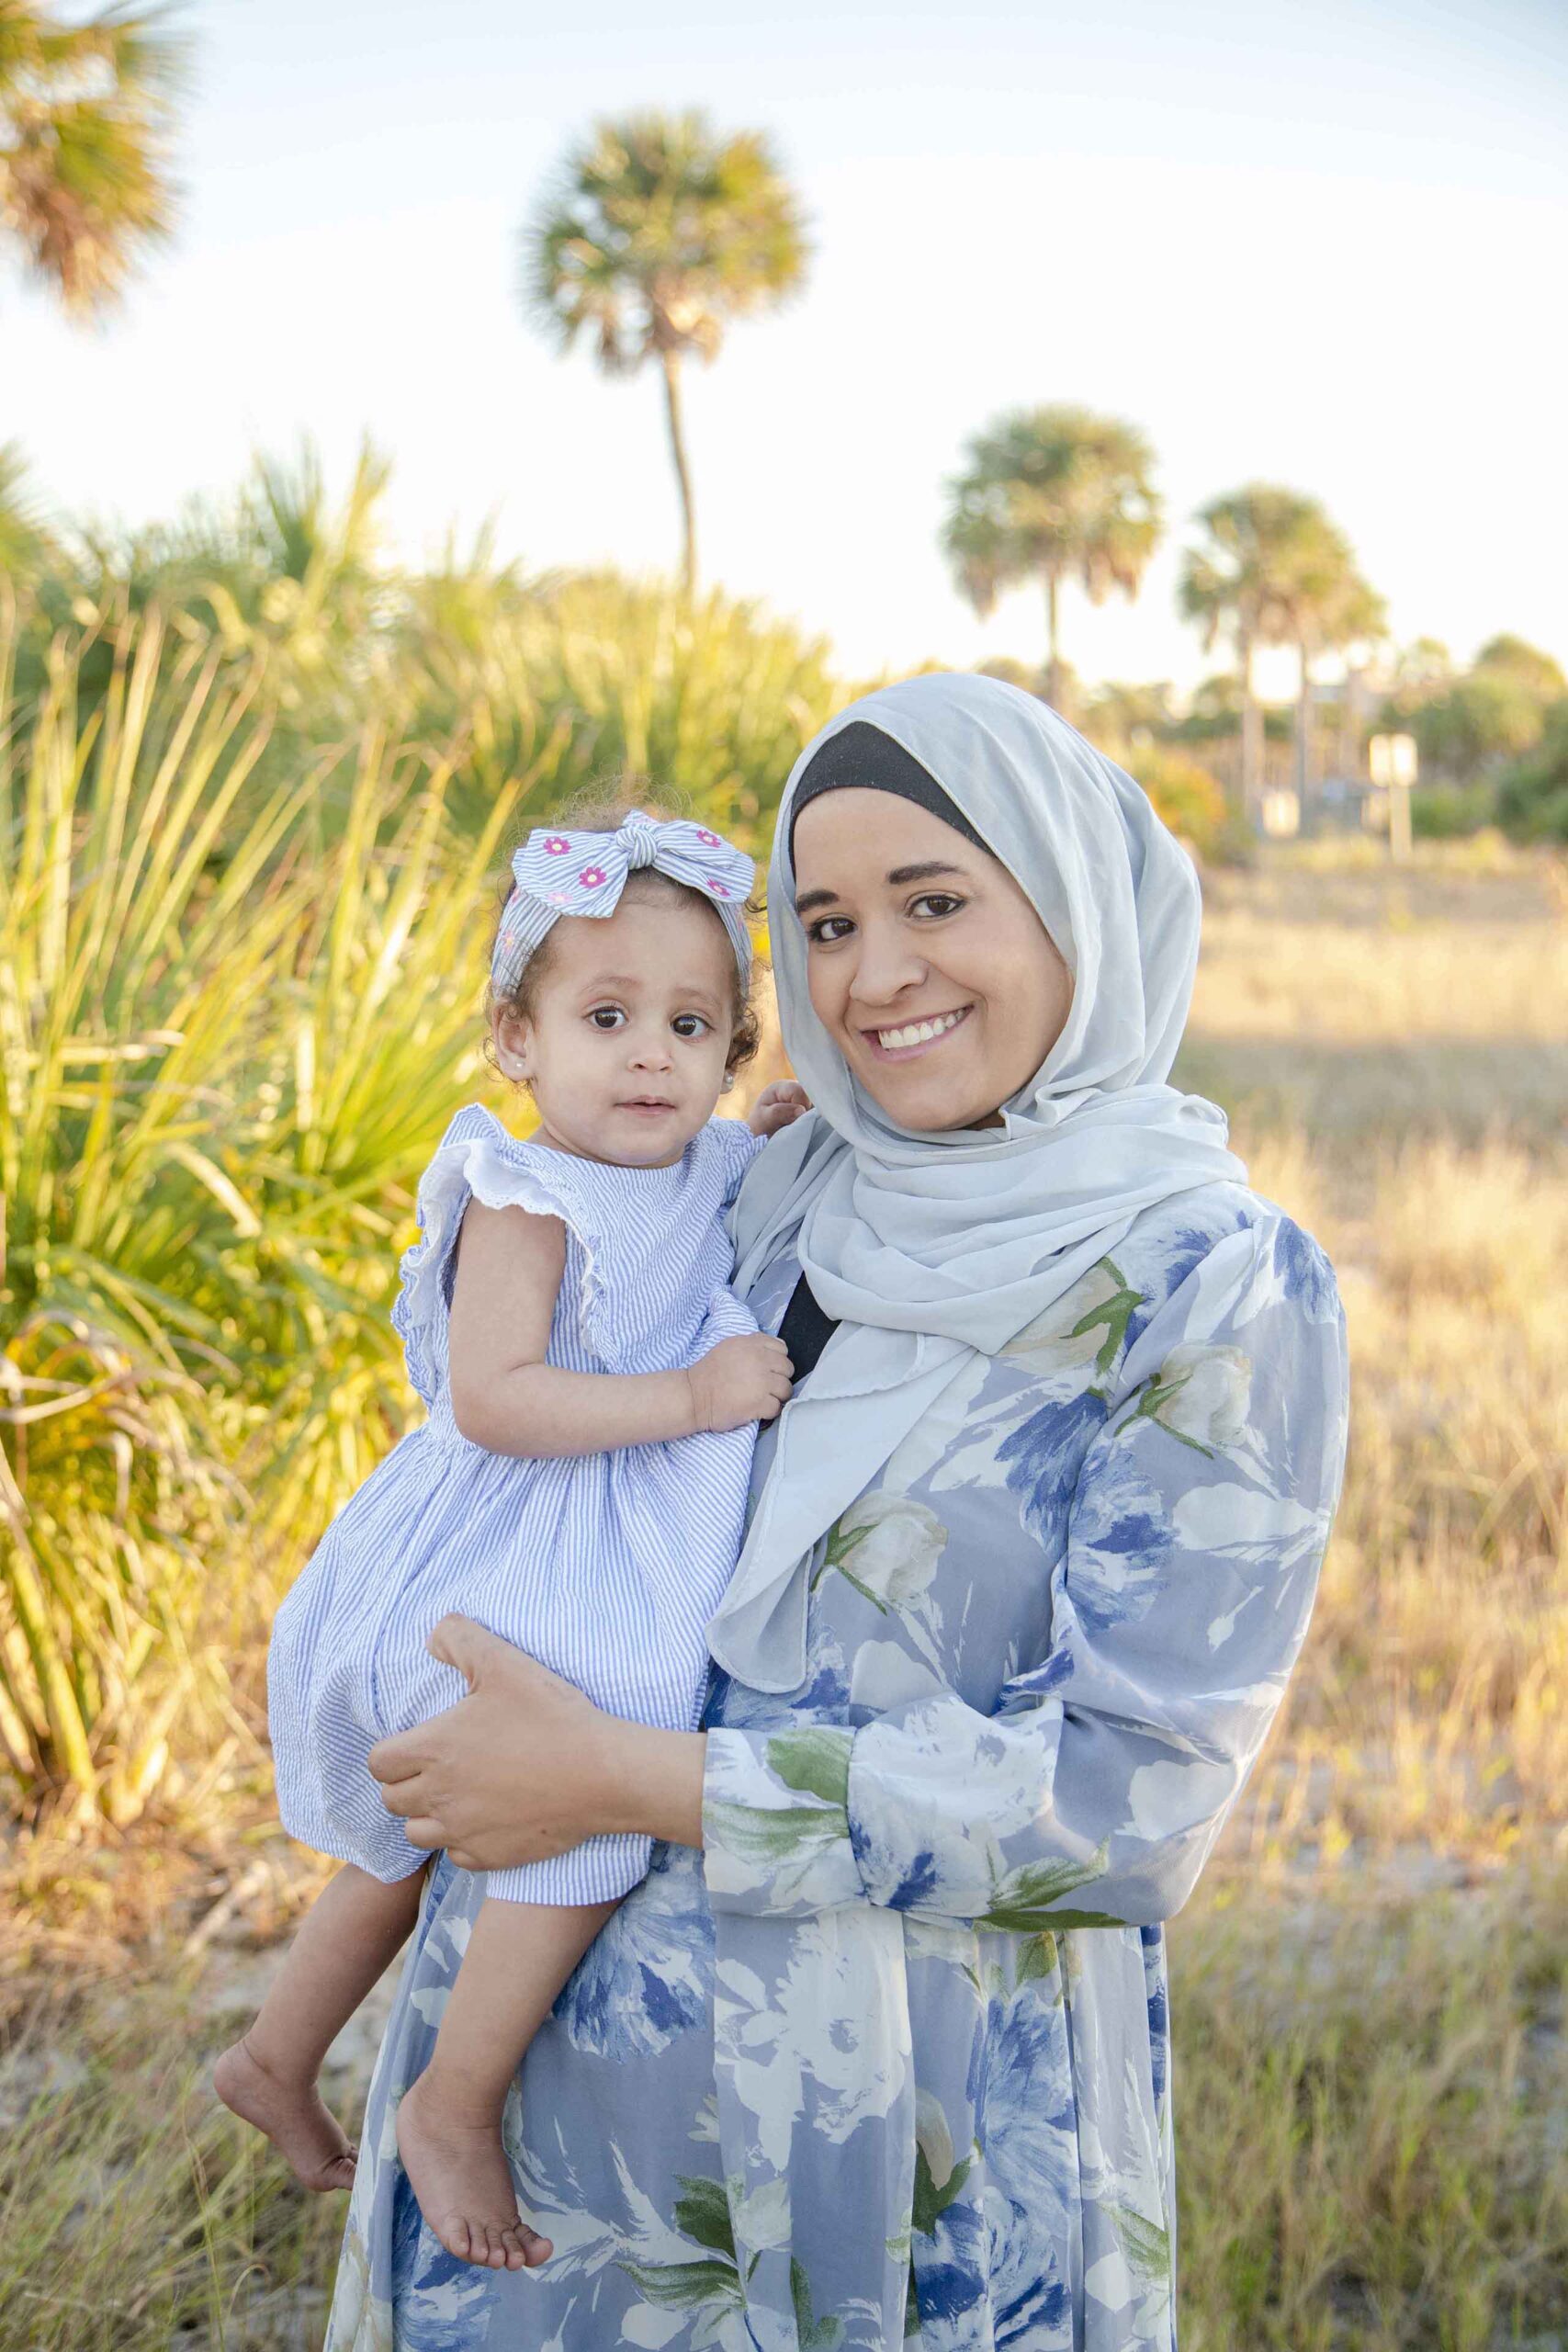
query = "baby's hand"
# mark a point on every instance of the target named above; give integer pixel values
(741, 1380)
(778, 1107)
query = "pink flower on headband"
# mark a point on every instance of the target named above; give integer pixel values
(557, 898)
(555, 846)
(591, 877)
(720, 888)
(708, 841)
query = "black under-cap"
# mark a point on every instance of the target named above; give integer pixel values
(861, 758)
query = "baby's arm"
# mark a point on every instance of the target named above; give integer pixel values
(506, 1398)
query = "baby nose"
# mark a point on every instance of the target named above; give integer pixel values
(651, 1052)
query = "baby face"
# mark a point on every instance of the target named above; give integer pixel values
(626, 1049)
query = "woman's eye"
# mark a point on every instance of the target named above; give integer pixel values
(689, 1024)
(937, 903)
(824, 932)
(606, 1016)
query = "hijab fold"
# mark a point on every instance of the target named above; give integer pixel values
(928, 1248)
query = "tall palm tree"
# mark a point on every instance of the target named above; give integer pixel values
(85, 118)
(657, 232)
(1056, 494)
(1242, 582)
(1331, 607)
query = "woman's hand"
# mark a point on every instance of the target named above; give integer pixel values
(526, 1766)
(778, 1107)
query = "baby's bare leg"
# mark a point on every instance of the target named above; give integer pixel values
(519, 1956)
(352, 1933)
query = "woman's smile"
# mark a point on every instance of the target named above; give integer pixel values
(901, 1041)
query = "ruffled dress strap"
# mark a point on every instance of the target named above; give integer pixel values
(477, 1160)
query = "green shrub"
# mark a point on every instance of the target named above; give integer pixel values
(1443, 812)
(1532, 792)
(1189, 799)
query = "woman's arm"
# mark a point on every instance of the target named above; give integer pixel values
(507, 1398)
(1094, 1791)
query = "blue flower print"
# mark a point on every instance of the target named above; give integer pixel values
(1305, 1273)
(647, 1975)
(1045, 1455)
(1121, 1543)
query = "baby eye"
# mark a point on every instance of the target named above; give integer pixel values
(937, 903)
(606, 1016)
(689, 1024)
(827, 930)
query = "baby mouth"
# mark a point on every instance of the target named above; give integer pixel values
(919, 1033)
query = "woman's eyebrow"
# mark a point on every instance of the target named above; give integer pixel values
(897, 879)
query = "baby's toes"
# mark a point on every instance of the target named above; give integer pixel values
(457, 2238)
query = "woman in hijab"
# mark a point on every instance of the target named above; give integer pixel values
(878, 2052)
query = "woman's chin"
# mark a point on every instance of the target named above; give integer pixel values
(926, 1110)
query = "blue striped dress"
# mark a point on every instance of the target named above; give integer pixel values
(605, 1566)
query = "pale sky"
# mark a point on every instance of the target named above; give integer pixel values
(1320, 241)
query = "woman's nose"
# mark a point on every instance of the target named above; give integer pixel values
(889, 962)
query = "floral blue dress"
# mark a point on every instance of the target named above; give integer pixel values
(887, 2063)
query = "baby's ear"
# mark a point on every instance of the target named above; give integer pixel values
(514, 1044)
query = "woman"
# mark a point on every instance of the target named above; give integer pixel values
(878, 2052)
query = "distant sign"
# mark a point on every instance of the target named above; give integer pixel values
(1281, 814)
(1392, 759)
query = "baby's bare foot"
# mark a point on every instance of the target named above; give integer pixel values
(459, 2171)
(305, 2132)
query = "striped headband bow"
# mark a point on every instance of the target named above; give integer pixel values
(558, 873)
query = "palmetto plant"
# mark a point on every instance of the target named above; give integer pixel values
(226, 1053)
(85, 119)
(1053, 493)
(24, 540)
(657, 232)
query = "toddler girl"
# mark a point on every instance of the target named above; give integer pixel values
(594, 1393)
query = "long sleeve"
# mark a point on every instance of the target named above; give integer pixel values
(1094, 1789)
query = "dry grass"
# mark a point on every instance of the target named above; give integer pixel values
(1369, 1990)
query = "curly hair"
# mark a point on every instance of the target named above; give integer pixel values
(603, 807)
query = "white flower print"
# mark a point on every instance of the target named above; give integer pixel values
(888, 1547)
(1202, 1393)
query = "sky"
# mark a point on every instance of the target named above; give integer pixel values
(1302, 240)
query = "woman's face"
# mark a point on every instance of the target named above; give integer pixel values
(928, 967)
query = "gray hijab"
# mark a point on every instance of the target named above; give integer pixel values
(931, 1247)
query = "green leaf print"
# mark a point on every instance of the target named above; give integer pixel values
(1146, 2244)
(1020, 1903)
(755, 1832)
(1115, 1313)
(929, 2200)
(703, 2214)
(815, 2334)
(815, 1760)
(1036, 1959)
(684, 2286)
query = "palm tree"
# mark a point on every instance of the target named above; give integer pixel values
(1242, 582)
(84, 122)
(1330, 606)
(657, 232)
(1056, 494)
